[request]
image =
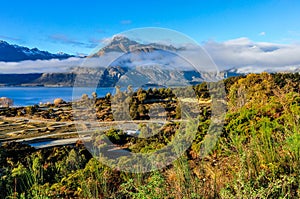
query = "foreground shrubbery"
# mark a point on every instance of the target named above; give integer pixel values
(257, 156)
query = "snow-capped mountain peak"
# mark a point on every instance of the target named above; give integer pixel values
(13, 53)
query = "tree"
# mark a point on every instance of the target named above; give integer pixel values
(84, 97)
(178, 112)
(119, 96)
(6, 102)
(108, 96)
(141, 95)
(130, 90)
(58, 101)
(133, 111)
(254, 89)
(94, 95)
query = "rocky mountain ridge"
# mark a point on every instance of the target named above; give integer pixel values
(15, 53)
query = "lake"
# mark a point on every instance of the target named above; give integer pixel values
(24, 96)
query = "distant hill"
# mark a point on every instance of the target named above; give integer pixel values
(14, 53)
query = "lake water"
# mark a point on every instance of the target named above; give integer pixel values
(24, 96)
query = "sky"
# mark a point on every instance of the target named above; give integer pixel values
(77, 26)
(236, 33)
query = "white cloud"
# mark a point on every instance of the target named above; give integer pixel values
(238, 41)
(50, 66)
(168, 60)
(38, 66)
(262, 33)
(243, 52)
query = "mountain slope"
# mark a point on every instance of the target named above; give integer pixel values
(14, 53)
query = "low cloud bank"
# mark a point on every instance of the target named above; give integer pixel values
(246, 55)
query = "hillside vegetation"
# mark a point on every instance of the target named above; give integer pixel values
(257, 154)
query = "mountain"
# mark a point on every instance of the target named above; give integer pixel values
(124, 45)
(151, 63)
(15, 53)
(139, 65)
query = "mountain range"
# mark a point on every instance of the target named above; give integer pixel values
(119, 72)
(15, 53)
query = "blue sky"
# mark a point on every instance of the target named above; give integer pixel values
(76, 26)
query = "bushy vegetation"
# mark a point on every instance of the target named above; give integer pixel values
(257, 154)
